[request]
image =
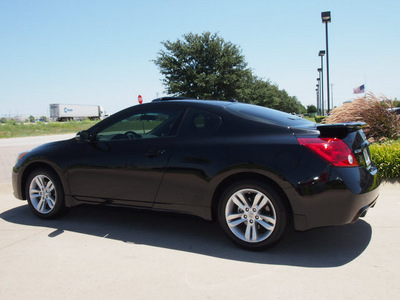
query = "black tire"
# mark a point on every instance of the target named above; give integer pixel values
(252, 214)
(45, 194)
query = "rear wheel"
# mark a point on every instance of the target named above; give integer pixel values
(45, 194)
(252, 214)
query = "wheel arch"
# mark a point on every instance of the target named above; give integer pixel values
(248, 176)
(38, 165)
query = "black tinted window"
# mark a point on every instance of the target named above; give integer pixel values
(198, 123)
(266, 115)
(149, 124)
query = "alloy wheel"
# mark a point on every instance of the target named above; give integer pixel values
(250, 215)
(43, 194)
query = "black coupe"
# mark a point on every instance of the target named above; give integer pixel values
(254, 169)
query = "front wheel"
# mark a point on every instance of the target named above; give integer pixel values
(45, 194)
(252, 214)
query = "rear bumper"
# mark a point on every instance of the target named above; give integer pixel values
(363, 211)
(342, 199)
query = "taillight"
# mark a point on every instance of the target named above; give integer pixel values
(334, 150)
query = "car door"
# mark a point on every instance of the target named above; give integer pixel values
(125, 161)
(195, 160)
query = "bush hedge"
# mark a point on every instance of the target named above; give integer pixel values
(319, 119)
(386, 157)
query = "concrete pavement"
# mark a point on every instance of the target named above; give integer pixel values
(104, 253)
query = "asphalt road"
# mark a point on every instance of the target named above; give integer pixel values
(103, 253)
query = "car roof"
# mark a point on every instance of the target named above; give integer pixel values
(194, 102)
(234, 109)
(162, 99)
(242, 110)
(188, 102)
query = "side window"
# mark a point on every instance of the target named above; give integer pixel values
(198, 123)
(150, 124)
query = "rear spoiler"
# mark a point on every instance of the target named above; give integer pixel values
(339, 129)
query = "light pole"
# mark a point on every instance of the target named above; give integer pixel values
(319, 95)
(321, 54)
(326, 18)
(321, 91)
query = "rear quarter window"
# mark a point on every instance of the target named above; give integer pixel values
(266, 115)
(199, 123)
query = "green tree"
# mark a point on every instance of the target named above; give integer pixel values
(207, 67)
(203, 66)
(264, 93)
(311, 109)
(31, 119)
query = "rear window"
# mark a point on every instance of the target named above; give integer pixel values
(266, 115)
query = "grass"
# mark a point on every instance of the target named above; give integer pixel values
(14, 129)
(312, 119)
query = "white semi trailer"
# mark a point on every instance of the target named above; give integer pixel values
(68, 112)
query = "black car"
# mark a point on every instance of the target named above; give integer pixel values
(254, 169)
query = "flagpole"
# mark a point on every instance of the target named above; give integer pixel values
(365, 85)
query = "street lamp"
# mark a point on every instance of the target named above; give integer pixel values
(321, 91)
(321, 54)
(319, 107)
(326, 18)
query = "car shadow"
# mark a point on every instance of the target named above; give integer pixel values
(322, 247)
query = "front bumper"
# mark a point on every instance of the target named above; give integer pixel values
(16, 184)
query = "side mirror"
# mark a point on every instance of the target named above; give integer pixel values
(83, 136)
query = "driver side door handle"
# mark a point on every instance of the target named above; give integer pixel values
(155, 152)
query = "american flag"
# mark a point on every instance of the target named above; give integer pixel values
(359, 90)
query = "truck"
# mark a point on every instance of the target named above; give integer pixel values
(69, 112)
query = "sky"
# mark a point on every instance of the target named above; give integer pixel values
(100, 52)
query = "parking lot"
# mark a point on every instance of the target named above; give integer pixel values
(104, 253)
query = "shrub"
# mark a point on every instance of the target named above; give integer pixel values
(381, 123)
(12, 122)
(386, 157)
(319, 119)
(348, 112)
